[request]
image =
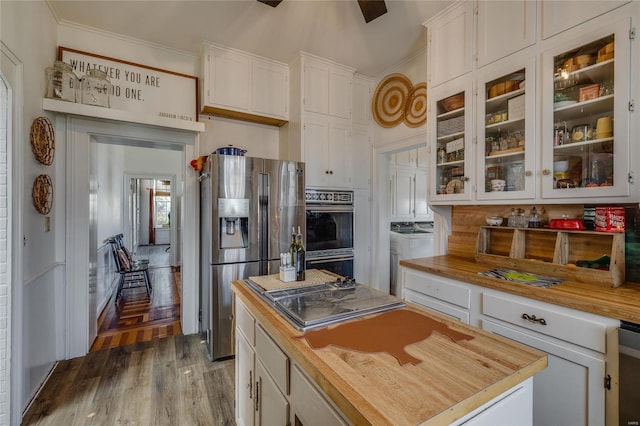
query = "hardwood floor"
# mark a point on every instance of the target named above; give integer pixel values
(137, 317)
(166, 381)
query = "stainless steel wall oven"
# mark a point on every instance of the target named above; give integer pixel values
(330, 227)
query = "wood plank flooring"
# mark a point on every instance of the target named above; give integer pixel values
(166, 381)
(139, 318)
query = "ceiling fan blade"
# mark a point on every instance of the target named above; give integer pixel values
(372, 9)
(272, 3)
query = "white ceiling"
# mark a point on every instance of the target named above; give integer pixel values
(332, 29)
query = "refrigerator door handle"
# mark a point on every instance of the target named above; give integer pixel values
(263, 219)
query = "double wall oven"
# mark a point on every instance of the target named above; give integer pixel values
(330, 226)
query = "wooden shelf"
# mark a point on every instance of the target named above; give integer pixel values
(553, 252)
(120, 115)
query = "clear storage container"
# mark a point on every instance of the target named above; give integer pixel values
(62, 82)
(95, 88)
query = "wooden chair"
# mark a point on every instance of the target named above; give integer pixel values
(132, 274)
(119, 239)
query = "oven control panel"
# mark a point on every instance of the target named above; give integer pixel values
(327, 196)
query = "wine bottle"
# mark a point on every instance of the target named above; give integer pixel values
(300, 257)
(292, 247)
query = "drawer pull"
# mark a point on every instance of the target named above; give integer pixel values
(532, 318)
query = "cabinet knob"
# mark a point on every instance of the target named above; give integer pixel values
(546, 172)
(527, 173)
(466, 179)
(326, 172)
(330, 172)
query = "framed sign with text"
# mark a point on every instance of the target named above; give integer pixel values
(140, 88)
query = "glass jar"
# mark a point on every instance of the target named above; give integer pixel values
(62, 82)
(95, 88)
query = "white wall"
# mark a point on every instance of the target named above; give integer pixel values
(258, 139)
(387, 140)
(28, 30)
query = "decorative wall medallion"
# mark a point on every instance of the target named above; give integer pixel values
(389, 100)
(42, 194)
(43, 140)
(416, 107)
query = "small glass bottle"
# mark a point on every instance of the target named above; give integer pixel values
(292, 247)
(534, 219)
(95, 88)
(513, 219)
(62, 82)
(300, 257)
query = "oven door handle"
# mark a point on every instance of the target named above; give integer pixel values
(318, 260)
(330, 209)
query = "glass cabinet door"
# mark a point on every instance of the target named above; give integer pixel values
(585, 123)
(506, 99)
(451, 112)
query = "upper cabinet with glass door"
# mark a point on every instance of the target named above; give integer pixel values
(585, 132)
(450, 143)
(506, 135)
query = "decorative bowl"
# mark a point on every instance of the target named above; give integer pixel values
(493, 220)
(560, 166)
(453, 102)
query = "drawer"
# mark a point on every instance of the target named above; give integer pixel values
(275, 361)
(433, 304)
(441, 288)
(245, 322)
(555, 321)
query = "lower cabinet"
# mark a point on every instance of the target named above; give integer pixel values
(310, 407)
(579, 386)
(269, 389)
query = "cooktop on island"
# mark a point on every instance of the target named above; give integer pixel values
(319, 305)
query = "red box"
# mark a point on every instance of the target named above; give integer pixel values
(589, 92)
(610, 219)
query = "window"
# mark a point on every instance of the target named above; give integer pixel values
(162, 203)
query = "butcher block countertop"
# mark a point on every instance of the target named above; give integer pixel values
(622, 302)
(451, 379)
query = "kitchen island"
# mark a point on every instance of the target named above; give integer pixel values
(575, 323)
(453, 380)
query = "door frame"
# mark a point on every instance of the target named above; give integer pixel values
(128, 225)
(80, 132)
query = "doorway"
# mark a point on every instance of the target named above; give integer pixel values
(84, 135)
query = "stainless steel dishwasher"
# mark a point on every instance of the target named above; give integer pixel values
(629, 365)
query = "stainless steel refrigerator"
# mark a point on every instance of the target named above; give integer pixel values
(247, 209)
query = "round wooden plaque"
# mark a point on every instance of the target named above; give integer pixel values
(416, 107)
(43, 140)
(389, 100)
(42, 194)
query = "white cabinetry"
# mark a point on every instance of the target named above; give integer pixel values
(560, 15)
(582, 347)
(505, 129)
(498, 29)
(408, 186)
(586, 90)
(450, 43)
(262, 371)
(572, 388)
(310, 407)
(327, 142)
(361, 99)
(451, 128)
(327, 87)
(243, 86)
(269, 389)
(320, 126)
(409, 194)
(503, 28)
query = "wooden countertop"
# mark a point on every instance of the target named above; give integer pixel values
(622, 302)
(373, 388)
